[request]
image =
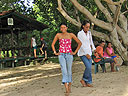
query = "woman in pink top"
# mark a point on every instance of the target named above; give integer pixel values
(109, 53)
(65, 54)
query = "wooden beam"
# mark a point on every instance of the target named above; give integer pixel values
(12, 43)
(2, 45)
(5, 28)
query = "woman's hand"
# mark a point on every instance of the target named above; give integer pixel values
(57, 53)
(117, 56)
(88, 56)
(72, 53)
(113, 54)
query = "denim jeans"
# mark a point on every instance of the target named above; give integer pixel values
(107, 60)
(66, 60)
(87, 76)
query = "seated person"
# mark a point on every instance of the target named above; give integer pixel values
(109, 53)
(99, 54)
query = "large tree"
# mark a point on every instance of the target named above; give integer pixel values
(115, 22)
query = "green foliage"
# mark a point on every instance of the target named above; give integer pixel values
(7, 4)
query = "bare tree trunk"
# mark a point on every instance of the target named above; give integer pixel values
(115, 41)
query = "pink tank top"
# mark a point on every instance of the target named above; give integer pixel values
(110, 51)
(65, 46)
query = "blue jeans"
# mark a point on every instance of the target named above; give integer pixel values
(66, 60)
(87, 76)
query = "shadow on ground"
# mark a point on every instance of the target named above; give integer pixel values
(45, 80)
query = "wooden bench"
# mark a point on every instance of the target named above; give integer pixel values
(17, 59)
(98, 63)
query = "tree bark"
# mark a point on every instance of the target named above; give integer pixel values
(117, 25)
(96, 21)
(73, 21)
(104, 10)
(114, 3)
(115, 41)
(100, 35)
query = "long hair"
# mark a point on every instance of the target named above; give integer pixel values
(84, 23)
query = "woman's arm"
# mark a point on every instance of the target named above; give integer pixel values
(78, 42)
(108, 52)
(114, 54)
(53, 43)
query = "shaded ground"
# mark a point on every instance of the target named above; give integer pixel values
(45, 80)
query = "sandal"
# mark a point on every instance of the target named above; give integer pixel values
(83, 83)
(89, 85)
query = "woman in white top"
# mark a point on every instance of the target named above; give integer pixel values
(85, 52)
(33, 44)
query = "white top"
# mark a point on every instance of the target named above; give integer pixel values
(33, 42)
(86, 40)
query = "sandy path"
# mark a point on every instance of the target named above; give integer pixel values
(45, 80)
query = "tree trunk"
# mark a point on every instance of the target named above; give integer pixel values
(125, 63)
(120, 49)
(116, 24)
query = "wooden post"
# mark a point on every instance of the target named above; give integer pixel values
(25, 62)
(18, 43)
(30, 52)
(12, 43)
(27, 39)
(7, 53)
(2, 45)
(1, 65)
(13, 64)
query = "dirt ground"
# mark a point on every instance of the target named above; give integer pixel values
(45, 80)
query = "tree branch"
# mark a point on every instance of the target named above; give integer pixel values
(123, 24)
(73, 21)
(77, 16)
(116, 15)
(114, 3)
(122, 18)
(104, 10)
(126, 8)
(123, 35)
(92, 22)
(124, 12)
(100, 35)
(97, 22)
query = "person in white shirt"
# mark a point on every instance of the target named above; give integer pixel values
(85, 53)
(33, 44)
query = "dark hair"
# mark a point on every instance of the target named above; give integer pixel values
(33, 35)
(101, 41)
(63, 24)
(84, 23)
(108, 43)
